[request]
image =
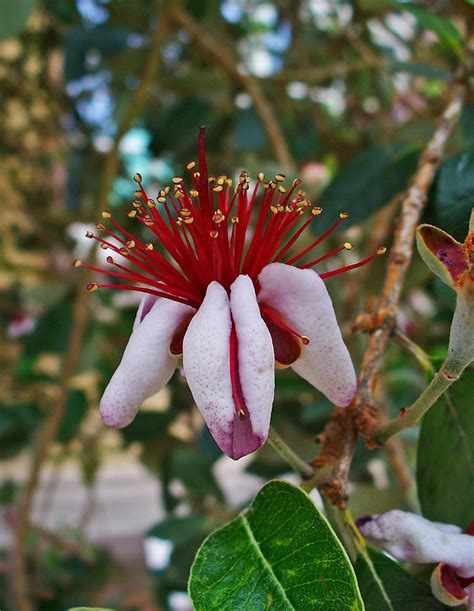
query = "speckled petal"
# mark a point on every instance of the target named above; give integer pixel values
(255, 358)
(300, 297)
(146, 365)
(412, 538)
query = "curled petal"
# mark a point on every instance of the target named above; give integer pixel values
(147, 302)
(300, 297)
(446, 587)
(255, 360)
(146, 365)
(222, 383)
(412, 538)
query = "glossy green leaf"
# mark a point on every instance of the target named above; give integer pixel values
(452, 194)
(392, 588)
(280, 553)
(366, 184)
(445, 462)
(447, 33)
(13, 16)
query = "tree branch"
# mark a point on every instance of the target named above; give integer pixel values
(340, 436)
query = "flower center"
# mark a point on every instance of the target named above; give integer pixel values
(212, 231)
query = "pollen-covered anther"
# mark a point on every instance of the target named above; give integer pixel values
(132, 214)
(150, 203)
(213, 233)
(106, 214)
(137, 178)
(194, 193)
(261, 177)
(316, 211)
(280, 177)
(218, 188)
(131, 244)
(381, 250)
(281, 188)
(189, 220)
(149, 246)
(136, 203)
(77, 263)
(347, 245)
(218, 217)
(343, 215)
(191, 165)
(149, 222)
(137, 194)
(161, 199)
(274, 209)
(92, 286)
(177, 180)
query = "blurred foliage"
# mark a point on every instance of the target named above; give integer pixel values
(355, 88)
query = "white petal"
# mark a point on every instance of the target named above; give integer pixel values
(410, 537)
(255, 355)
(146, 365)
(206, 362)
(301, 298)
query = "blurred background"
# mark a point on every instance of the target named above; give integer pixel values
(342, 93)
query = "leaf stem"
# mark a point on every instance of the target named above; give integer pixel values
(411, 416)
(296, 463)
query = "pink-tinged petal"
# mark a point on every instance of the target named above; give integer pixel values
(207, 365)
(146, 365)
(147, 302)
(255, 362)
(206, 362)
(412, 538)
(300, 297)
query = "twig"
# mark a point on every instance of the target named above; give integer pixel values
(284, 450)
(360, 416)
(220, 56)
(80, 319)
(416, 351)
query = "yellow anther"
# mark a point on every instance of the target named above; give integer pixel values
(149, 222)
(347, 245)
(211, 178)
(280, 177)
(316, 210)
(106, 214)
(150, 203)
(191, 165)
(136, 203)
(137, 178)
(381, 250)
(166, 190)
(282, 189)
(177, 180)
(99, 227)
(92, 286)
(77, 263)
(131, 244)
(189, 220)
(185, 212)
(218, 188)
(221, 180)
(132, 214)
(343, 215)
(261, 177)
(137, 194)
(274, 209)
(161, 200)
(194, 193)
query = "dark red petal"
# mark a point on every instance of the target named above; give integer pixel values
(445, 248)
(286, 345)
(176, 345)
(470, 529)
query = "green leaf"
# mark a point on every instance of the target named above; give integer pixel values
(179, 530)
(280, 553)
(445, 462)
(13, 16)
(453, 194)
(74, 414)
(366, 184)
(392, 588)
(447, 33)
